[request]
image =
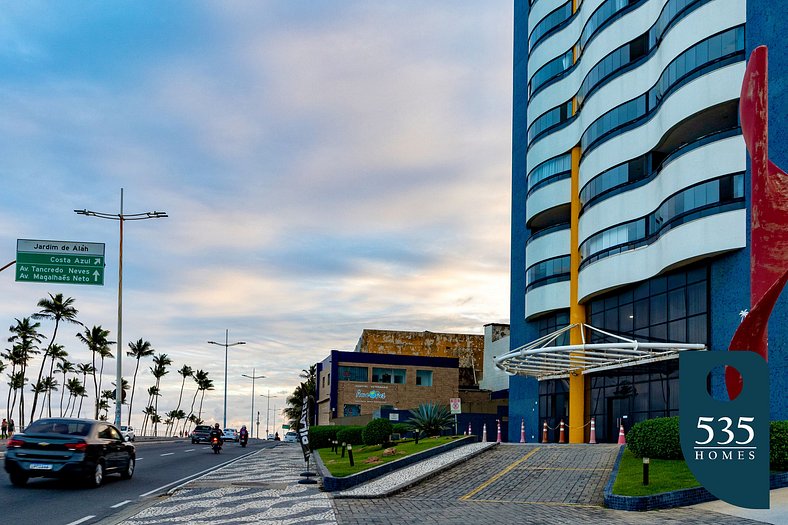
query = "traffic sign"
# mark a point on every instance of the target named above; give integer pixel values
(64, 262)
(455, 404)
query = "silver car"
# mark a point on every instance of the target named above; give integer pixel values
(291, 437)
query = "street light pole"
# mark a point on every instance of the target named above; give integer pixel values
(268, 410)
(226, 345)
(253, 377)
(121, 218)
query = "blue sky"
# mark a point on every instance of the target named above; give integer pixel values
(328, 166)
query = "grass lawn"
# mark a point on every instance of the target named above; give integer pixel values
(366, 457)
(664, 475)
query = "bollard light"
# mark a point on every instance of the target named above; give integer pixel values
(350, 454)
(343, 449)
(645, 471)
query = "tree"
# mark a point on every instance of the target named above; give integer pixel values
(205, 384)
(198, 376)
(25, 339)
(185, 371)
(96, 340)
(84, 369)
(50, 385)
(159, 370)
(295, 402)
(430, 419)
(73, 386)
(64, 367)
(137, 350)
(58, 309)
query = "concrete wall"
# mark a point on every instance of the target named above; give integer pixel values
(496, 343)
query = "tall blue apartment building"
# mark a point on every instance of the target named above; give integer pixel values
(630, 194)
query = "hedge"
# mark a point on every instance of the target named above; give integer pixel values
(778, 445)
(351, 434)
(656, 438)
(321, 436)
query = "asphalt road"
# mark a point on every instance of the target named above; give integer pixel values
(161, 466)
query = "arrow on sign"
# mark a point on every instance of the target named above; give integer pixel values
(96, 275)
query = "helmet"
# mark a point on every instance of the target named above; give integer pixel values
(216, 425)
(243, 426)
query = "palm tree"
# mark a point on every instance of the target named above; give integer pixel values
(57, 309)
(73, 385)
(104, 352)
(85, 369)
(295, 401)
(96, 340)
(148, 411)
(137, 350)
(26, 340)
(64, 366)
(185, 371)
(56, 354)
(50, 384)
(17, 382)
(159, 370)
(198, 376)
(206, 384)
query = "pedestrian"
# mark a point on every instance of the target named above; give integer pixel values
(4, 429)
(276, 437)
(10, 428)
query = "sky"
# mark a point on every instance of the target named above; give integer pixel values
(327, 166)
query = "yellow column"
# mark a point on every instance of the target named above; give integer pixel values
(577, 312)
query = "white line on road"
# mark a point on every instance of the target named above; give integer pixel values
(190, 450)
(168, 454)
(192, 476)
(139, 459)
(115, 506)
(86, 518)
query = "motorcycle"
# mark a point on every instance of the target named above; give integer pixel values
(216, 444)
(243, 439)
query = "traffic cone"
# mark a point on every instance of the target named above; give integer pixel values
(498, 439)
(522, 430)
(592, 438)
(561, 433)
(544, 432)
(484, 433)
(621, 439)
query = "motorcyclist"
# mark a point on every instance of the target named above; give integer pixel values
(243, 435)
(216, 432)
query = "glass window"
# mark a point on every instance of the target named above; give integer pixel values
(548, 23)
(351, 410)
(424, 377)
(388, 375)
(353, 373)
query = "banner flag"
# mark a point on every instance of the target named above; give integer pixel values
(303, 429)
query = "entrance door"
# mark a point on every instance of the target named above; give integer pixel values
(619, 412)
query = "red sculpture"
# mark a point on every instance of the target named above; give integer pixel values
(768, 231)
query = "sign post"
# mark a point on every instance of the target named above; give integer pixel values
(64, 262)
(455, 403)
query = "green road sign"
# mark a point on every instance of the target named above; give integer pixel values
(64, 262)
(286, 427)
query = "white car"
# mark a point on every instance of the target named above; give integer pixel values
(270, 437)
(127, 432)
(230, 434)
(291, 437)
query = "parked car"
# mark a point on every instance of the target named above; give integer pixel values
(230, 434)
(128, 432)
(291, 437)
(83, 449)
(201, 434)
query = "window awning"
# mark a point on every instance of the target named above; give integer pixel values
(539, 359)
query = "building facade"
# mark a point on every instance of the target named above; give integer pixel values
(353, 387)
(631, 193)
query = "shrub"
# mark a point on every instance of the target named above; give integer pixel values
(778, 445)
(656, 438)
(377, 432)
(430, 419)
(400, 428)
(351, 434)
(322, 435)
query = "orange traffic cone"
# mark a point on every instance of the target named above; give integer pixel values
(592, 438)
(621, 439)
(561, 434)
(544, 433)
(498, 439)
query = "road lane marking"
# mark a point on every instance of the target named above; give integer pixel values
(190, 450)
(497, 476)
(190, 477)
(86, 518)
(115, 506)
(139, 459)
(168, 454)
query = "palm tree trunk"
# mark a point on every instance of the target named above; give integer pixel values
(191, 409)
(41, 370)
(101, 375)
(8, 407)
(95, 383)
(133, 385)
(199, 413)
(62, 393)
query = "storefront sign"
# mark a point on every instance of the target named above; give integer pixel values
(372, 394)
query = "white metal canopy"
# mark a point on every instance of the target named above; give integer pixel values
(542, 361)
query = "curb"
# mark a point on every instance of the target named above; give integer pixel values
(332, 484)
(669, 500)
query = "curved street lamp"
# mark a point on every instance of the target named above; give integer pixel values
(252, 377)
(121, 218)
(226, 345)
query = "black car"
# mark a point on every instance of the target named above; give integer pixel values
(69, 448)
(201, 434)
